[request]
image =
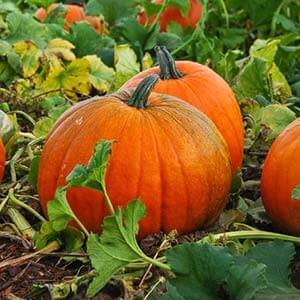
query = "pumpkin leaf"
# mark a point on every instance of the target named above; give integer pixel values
(61, 48)
(252, 80)
(70, 238)
(73, 78)
(245, 278)
(43, 126)
(59, 210)
(276, 117)
(117, 245)
(93, 175)
(101, 76)
(296, 193)
(126, 64)
(199, 269)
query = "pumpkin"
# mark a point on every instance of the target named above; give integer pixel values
(173, 14)
(166, 152)
(74, 13)
(281, 174)
(206, 90)
(2, 159)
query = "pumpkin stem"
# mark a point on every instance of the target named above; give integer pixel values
(167, 64)
(141, 94)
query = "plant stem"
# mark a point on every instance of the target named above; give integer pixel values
(158, 15)
(225, 12)
(3, 203)
(107, 199)
(20, 203)
(252, 234)
(21, 223)
(25, 115)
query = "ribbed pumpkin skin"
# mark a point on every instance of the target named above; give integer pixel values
(281, 174)
(2, 159)
(207, 91)
(169, 154)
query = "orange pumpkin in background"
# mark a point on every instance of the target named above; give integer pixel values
(166, 152)
(206, 90)
(173, 14)
(281, 174)
(2, 159)
(74, 13)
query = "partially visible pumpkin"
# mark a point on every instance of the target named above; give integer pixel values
(74, 13)
(173, 14)
(2, 159)
(281, 174)
(166, 152)
(206, 90)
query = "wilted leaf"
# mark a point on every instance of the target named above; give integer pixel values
(61, 48)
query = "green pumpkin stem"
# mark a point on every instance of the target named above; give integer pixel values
(141, 94)
(167, 64)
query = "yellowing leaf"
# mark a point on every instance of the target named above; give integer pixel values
(74, 78)
(101, 76)
(281, 86)
(147, 61)
(266, 51)
(30, 57)
(61, 48)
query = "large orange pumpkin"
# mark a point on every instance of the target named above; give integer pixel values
(281, 174)
(74, 13)
(166, 152)
(173, 14)
(206, 90)
(2, 159)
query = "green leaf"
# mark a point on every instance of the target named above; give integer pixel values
(126, 64)
(37, 32)
(260, 12)
(276, 117)
(107, 8)
(117, 244)
(88, 42)
(199, 269)
(93, 175)
(70, 238)
(277, 274)
(245, 278)
(101, 76)
(296, 193)
(252, 80)
(59, 210)
(43, 126)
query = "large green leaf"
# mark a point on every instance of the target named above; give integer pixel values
(199, 269)
(117, 244)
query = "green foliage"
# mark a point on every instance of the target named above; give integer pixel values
(202, 269)
(117, 245)
(296, 193)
